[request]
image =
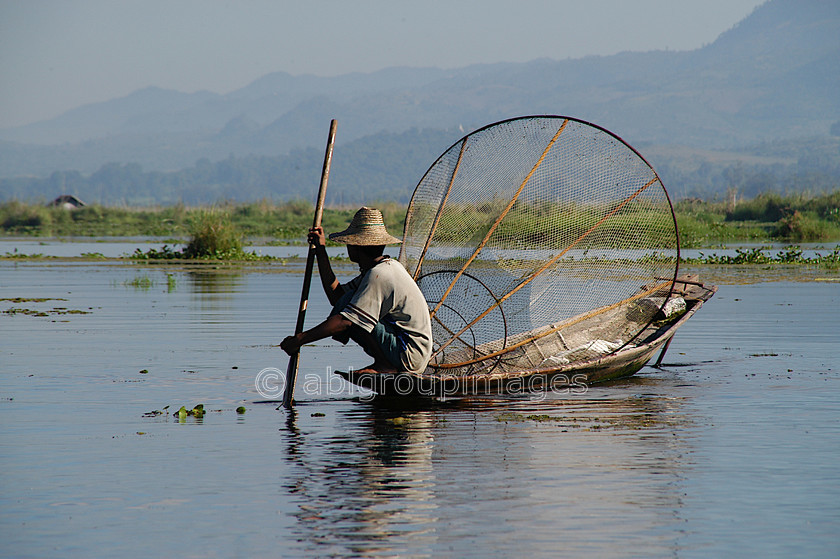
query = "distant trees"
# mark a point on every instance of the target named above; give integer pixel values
(382, 167)
(387, 167)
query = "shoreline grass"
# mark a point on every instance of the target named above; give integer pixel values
(769, 217)
(219, 232)
(289, 220)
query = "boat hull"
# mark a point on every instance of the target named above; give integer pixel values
(571, 377)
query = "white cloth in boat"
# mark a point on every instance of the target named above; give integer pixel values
(595, 346)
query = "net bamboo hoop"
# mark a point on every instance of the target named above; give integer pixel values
(540, 225)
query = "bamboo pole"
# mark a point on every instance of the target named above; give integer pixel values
(291, 371)
(662, 353)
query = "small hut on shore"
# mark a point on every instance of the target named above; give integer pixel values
(67, 201)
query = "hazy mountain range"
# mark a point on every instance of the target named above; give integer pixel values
(773, 79)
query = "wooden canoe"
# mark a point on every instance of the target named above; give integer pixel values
(573, 376)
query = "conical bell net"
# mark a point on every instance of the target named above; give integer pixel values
(538, 242)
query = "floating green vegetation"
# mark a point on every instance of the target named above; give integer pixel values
(41, 313)
(31, 299)
(28, 312)
(510, 416)
(145, 282)
(183, 412)
(213, 236)
(761, 255)
(197, 411)
(165, 253)
(22, 256)
(140, 282)
(169, 253)
(57, 311)
(632, 420)
(155, 413)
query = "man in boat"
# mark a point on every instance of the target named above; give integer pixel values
(381, 309)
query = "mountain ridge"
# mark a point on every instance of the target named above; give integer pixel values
(772, 76)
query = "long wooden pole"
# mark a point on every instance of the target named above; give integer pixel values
(664, 349)
(291, 371)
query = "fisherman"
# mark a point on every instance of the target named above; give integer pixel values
(381, 309)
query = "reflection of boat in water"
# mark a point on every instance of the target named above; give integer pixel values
(568, 355)
(434, 478)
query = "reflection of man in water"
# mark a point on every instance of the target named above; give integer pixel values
(381, 309)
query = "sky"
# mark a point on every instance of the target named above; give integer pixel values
(56, 55)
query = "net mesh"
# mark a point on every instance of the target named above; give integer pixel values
(531, 240)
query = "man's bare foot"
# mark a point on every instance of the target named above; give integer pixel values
(381, 367)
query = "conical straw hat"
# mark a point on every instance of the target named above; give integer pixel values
(366, 229)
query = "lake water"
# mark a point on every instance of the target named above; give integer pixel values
(731, 449)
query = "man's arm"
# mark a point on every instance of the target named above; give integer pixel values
(330, 327)
(328, 280)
